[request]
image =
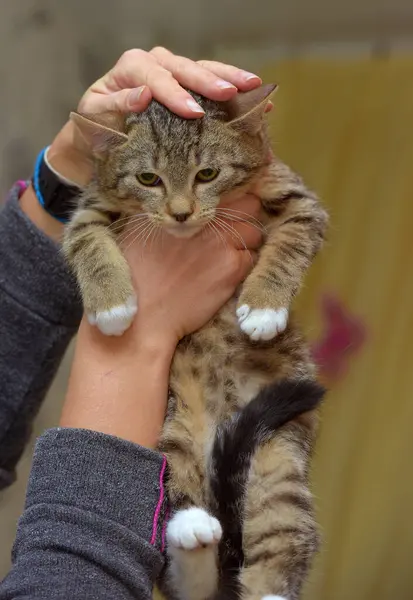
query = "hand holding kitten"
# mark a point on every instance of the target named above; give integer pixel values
(180, 289)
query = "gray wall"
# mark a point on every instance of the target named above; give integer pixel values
(50, 50)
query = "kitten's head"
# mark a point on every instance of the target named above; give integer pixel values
(175, 170)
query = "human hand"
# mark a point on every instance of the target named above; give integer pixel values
(137, 77)
(182, 283)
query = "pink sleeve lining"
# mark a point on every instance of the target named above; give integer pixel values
(160, 502)
(22, 186)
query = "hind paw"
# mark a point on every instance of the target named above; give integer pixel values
(193, 528)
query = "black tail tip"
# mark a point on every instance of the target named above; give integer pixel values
(310, 389)
(292, 396)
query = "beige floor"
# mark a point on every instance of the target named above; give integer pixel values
(12, 500)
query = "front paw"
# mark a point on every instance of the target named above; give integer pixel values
(115, 320)
(262, 323)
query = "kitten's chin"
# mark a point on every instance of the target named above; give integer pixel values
(184, 231)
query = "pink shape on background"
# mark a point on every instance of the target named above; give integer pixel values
(344, 335)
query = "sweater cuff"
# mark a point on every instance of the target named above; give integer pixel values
(102, 474)
(34, 272)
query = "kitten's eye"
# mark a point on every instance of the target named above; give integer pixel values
(205, 175)
(150, 179)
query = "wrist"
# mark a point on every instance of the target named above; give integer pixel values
(121, 352)
(152, 337)
(31, 206)
(119, 386)
(60, 171)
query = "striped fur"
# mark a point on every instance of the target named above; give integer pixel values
(269, 532)
(236, 442)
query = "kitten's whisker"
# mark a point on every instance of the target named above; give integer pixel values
(154, 237)
(135, 229)
(234, 234)
(237, 219)
(131, 219)
(119, 230)
(145, 231)
(142, 234)
(222, 237)
(218, 234)
(204, 230)
(138, 233)
(138, 223)
(148, 235)
(239, 212)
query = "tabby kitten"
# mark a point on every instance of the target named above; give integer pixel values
(241, 419)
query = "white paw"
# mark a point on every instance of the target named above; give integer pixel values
(273, 598)
(192, 528)
(116, 320)
(262, 323)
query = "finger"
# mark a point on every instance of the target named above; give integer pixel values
(247, 261)
(169, 93)
(129, 72)
(243, 80)
(126, 100)
(136, 68)
(248, 203)
(241, 235)
(242, 221)
(269, 107)
(194, 76)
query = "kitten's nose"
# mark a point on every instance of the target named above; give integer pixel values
(182, 216)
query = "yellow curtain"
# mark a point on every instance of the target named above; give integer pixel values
(347, 127)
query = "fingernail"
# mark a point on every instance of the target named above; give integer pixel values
(225, 85)
(248, 76)
(135, 95)
(194, 107)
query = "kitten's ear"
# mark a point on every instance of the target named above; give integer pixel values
(246, 109)
(100, 136)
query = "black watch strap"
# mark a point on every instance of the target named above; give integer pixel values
(56, 197)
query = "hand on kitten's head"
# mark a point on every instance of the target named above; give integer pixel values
(136, 78)
(139, 76)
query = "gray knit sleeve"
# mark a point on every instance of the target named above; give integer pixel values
(39, 313)
(93, 525)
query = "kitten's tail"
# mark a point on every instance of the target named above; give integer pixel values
(234, 446)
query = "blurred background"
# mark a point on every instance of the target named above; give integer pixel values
(344, 120)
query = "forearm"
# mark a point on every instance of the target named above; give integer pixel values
(95, 510)
(39, 314)
(93, 522)
(119, 386)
